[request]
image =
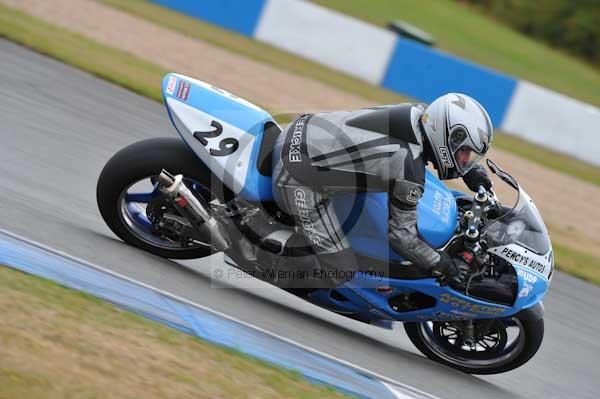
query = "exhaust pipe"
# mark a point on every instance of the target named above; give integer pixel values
(173, 185)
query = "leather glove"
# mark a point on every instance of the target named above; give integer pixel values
(451, 271)
(476, 177)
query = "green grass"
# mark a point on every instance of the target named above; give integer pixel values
(59, 343)
(264, 53)
(582, 265)
(107, 63)
(144, 78)
(464, 31)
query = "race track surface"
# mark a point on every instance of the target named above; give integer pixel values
(58, 128)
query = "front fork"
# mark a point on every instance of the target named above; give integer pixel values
(472, 333)
(194, 210)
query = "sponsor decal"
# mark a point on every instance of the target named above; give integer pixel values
(413, 196)
(441, 205)
(183, 90)
(525, 290)
(527, 277)
(529, 280)
(437, 316)
(445, 156)
(445, 316)
(463, 315)
(466, 306)
(437, 202)
(527, 261)
(302, 206)
(385, 290)
(294, 153)
(171, 85)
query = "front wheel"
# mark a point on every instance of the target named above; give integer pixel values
(127, 185)
(498, 345)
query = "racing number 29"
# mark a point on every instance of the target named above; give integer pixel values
(227, 146)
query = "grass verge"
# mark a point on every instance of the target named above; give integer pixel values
(582, 265)
(264, 53)
(59, 343)
(71, 48)
(139, 76)
(468, 33)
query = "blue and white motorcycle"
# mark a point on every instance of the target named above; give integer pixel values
(191, 198)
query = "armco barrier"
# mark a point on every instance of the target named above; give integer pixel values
(554, 120)
(241, 16)
(380, 57)
(194, 319)
(424, 73)
(318, 34)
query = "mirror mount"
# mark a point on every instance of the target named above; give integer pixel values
(508, 179)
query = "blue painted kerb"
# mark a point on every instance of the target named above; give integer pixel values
(241, 16)
(187, 318)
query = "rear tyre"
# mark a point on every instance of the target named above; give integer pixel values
(124, 212)
(496, 352)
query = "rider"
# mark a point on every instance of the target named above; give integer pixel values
(382, 148)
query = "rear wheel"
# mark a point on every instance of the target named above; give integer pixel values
(127, 194)
(498, 345)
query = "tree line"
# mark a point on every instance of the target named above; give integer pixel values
(572, 25)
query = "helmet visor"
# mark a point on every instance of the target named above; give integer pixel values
(463, 151)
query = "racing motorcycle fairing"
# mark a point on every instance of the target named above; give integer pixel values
(521, 239)
(225, 131)
(436, 302)
(518, 237)
(364, 219)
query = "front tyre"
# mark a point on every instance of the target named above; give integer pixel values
(127, 184)
(505, 344)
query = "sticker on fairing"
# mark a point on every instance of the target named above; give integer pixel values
(171, 85)
(445, 156)
(538, 264)
(222, 92)
(183, 90)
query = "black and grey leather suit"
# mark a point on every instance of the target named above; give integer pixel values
(375, 149)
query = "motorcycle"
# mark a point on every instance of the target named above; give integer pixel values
(211, 192)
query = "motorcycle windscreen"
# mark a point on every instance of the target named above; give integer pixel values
(523, 226)
(364, 219)
(224, 131)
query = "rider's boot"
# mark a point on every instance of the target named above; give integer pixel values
(342, 266)
(328, 271)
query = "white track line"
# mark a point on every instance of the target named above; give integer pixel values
(391, 384)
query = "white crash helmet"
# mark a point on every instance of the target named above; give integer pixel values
(459, 131)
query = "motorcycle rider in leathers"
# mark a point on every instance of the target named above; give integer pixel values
(385, 149)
